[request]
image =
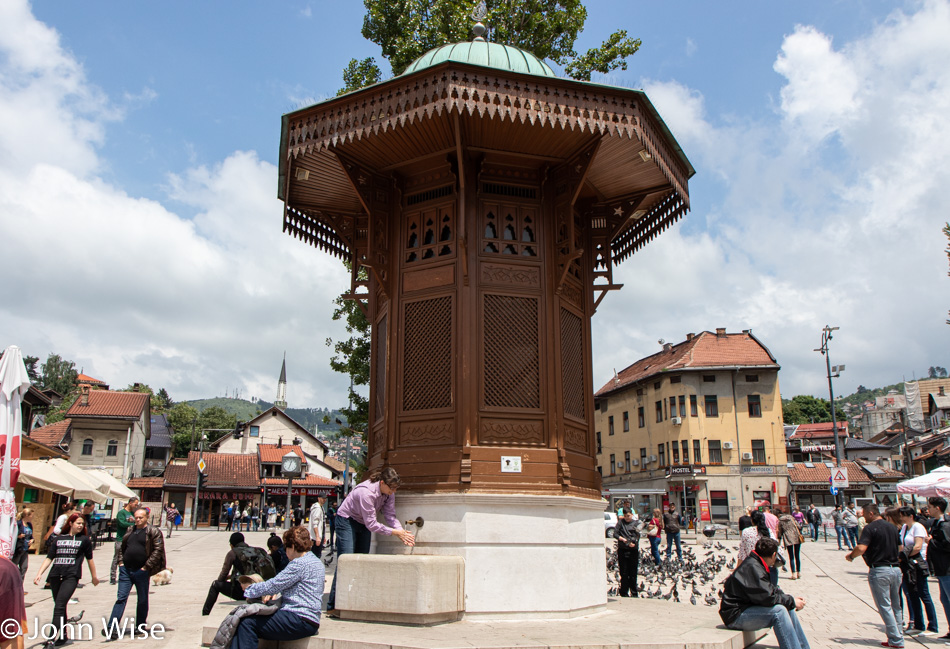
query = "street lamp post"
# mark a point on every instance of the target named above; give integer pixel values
(826, 337)
(198, 476)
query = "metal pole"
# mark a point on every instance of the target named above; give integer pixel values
(194, 506)
(290, 482)
(825, 338)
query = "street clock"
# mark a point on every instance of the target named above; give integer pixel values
(290, 465)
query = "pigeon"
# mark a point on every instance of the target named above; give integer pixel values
(692, 600)
(75, 618)
(711, 600)
(696, 591)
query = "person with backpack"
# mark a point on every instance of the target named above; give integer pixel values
(938, 551)
(240, 560)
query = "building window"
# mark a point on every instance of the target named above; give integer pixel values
(643, 459)
(255, 431)
(709, 378)
(613, 465)
(641, 419)
(676, 379)
(112, 450)
(685, 445)
(639, 392)
(610, 425)
(672, 406)
(599, 449)
(697, 452)
(712, 406)
(693, 408)
(719, 505)
(600, 471)
(676, 453)
(87, 447)
(626, 421)
(659, 411)
(626, 461)
(752, 378)
(31, 495)
(656, 386)
(682, 406)
(603, 405)
(715, 451)
(758, 451)
(755, 406)
(661, 453)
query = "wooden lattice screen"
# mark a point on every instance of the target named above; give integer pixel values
(427, 364)
(512, 359)
(572, 364)
(380, 386)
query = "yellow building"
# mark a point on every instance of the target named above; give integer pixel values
(704, 418)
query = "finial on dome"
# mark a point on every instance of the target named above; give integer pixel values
(478, 15)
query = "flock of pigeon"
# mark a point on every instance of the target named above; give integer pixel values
(691, 575)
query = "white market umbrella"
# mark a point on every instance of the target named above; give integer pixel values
(928, 484)
(115, 487)
(14, 383)
(61, 477)
(88, 485)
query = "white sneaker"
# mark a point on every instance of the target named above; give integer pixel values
(926, 633)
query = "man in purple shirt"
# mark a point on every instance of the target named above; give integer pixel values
(356, 519)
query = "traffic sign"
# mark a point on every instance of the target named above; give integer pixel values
(839, 477)
(834, 491)
(201, 465)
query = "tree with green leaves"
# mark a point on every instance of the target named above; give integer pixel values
(31, 362)
(407, 29)
(351, 357)
(937, 372)
(805, 409)
(58, 374)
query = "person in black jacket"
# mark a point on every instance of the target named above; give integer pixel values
(627, 534)
(751, 602)
(938, 551)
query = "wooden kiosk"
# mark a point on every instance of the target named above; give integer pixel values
(488, 201)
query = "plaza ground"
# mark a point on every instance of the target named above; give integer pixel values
(839, 608)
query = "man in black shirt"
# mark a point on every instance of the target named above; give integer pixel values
(938, 551)
(233, 567)
(878, 545)
(671, 524)
(143, 555)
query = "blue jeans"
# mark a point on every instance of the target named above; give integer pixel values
(842, 532)
(944, 583)
(655, 548)
(814, 531)
(670, 538)
(788, 630)
(853, 535)
(352, 537)
(885, 584)
(282, 625)
(920, 594)
(127, 579)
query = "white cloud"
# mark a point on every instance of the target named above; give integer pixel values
(831, 213)
(127, 288)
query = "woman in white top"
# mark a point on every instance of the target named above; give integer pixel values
(750, 537)
(914, 548)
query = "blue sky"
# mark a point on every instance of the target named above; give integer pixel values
(138, 152)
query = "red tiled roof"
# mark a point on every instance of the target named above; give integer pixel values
(822, 430)
(85, 378)
(106, 403)
(273, 453)
(224, 470)
(706, 350)
(146, 483)
(333, 463)
(312, 480)
(819, 474)
(51, 435)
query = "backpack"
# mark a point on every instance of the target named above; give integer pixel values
(940, 534)
(254, 561)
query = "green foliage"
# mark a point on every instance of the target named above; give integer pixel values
(359, 74)
(351, 357)
(805, 409)
(31, 370)
(180, 417)
(59, 374)
(937, 372)
(407, 29)
(162, 401)
(58, 413)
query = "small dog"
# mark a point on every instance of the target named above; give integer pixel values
(163, 578)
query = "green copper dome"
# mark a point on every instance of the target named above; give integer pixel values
(485, 54)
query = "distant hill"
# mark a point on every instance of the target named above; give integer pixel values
(244, 410)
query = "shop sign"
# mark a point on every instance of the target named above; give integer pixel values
(818, 448)
(892, 488)
(695, 469)
(224, 495)
(704, 511)
(768, 470)
(296, 491)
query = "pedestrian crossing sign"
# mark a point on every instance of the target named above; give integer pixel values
(839, 477)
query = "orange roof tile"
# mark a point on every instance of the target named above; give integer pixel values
(705, 351)
(146, 483)
(333, 463)
(819, 474)
(53, 434)
(224, 471)
(273, 453)
(106, 403)
(85, 378)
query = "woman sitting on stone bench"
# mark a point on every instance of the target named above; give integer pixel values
(300, 586)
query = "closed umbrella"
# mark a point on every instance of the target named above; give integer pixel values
(928, 484)
(14, 383)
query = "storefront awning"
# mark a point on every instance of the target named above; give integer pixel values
(63, 478)
(628, 491)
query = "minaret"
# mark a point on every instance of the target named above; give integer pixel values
(281, 401)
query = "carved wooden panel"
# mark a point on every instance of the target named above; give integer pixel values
(521, 276)
(379, 438)
(425, 433)
(380, 360)
(572, 293)
(575, 439)
(427, 358)
(572, 364)
(420, 280)
(430, 234)
(510, 229)
(511, 375)
(511, 432)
